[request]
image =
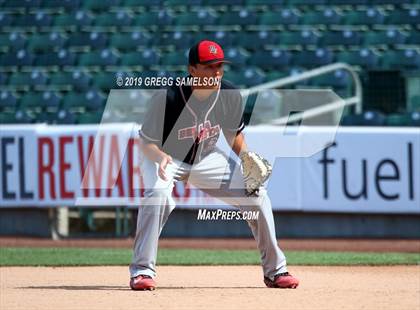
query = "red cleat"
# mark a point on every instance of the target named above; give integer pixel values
(142, 283)
(282, 280)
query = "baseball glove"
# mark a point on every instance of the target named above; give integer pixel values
(256, 170)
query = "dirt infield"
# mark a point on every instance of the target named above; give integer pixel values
(205, 287)
(357, 245)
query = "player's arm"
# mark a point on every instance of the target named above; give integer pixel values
(236, 141)
(154, 153)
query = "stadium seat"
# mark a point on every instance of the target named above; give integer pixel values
(79, 80)
(415, 103)
(5, 19)
(245, 77)
(104, 57)
(336, 79)
(89, 118)
(349, 2)
(90, 39)
(415, 119)
(181, 2)
(398, 119)
(273, 75)
(304, 37)
(147, 3)
(222, 2)
(237, 56)
(305, 2)
(197, 18)
(22, 117)
(46, 117)
(65, 117)
(46, 42)
(117, 19)
(80, 102)
(40, 100)
(19, 58)
(414, 37)
(157, 18)
(179, 39)
(365, 58)
(60, 58)
(27, 79)
(370, 16)
(273, 59)
(108, 80)
(8, 100)
(78, 18)
(264, 2)
(38, 19)
(346, 37)
(12, 40)
(99, 5)
(388, 37)
(367, 118)
(395, 2)
(7, 118)
(129, 41)
(283, 17)
(68, 5)
(254, 40)
(145, 58)
(324, 17)
(408, 59)
(24, 4)
(400, 17)
(242, 17)
(308, 59)
(223, 38)
(179, 58)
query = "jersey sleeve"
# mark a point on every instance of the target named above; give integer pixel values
(152, 128)
(234, 114)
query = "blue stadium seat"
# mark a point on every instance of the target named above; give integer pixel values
(178, 58)
(179, 39)
(158, 18)
(304, 37)
(305, 2)
(223, 38)
(147, 3)
(370, 16)
(108, 80)
(415, 103)
(399, 17)
(414, 37)
(255, 40)
(99, 5)
(129, 41)
(222, 2)
(346, 37)
(388, 37)
(39, 19)
(78, 19)
(264, 2)
(40, 101)
(28, 79)
(181, 2)
(402, 59)
(105, 57)
(116, 19)
(64, 116)
(145, 58)
(245, 77)
(308, 59)
(8, 100)
(336, 79)
(80, 102)
(237, 56)
(367, 118)
(19, 58)
(22, 117)
(348, 2)
(273, 59)
(5, 19)
(365, 58)
(12, 40)
(242, 17)
(61, 58)
(68, 5)
(25, 4)
(327, 16)
(196, 18)
(46, 42)
(79, 80)
(90, 39)
(283, 17)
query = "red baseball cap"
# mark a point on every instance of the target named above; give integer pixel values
(206, 52)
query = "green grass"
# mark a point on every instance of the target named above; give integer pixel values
(99, 256)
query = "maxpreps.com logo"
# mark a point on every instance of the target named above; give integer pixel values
(213, 49)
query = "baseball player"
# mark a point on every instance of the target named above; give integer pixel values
(178, 142)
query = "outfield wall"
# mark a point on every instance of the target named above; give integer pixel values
(356, 170)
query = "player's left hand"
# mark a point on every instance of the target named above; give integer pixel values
(256, 170)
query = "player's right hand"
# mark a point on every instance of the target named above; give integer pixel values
(165, 160)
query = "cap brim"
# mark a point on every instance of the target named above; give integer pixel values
(215, 61)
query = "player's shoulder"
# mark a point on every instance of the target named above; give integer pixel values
(227, 85)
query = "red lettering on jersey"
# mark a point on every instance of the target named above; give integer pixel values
(205, 131)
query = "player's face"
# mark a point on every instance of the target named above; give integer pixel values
(208, 71)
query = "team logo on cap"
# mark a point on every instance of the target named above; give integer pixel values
(213, 49)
